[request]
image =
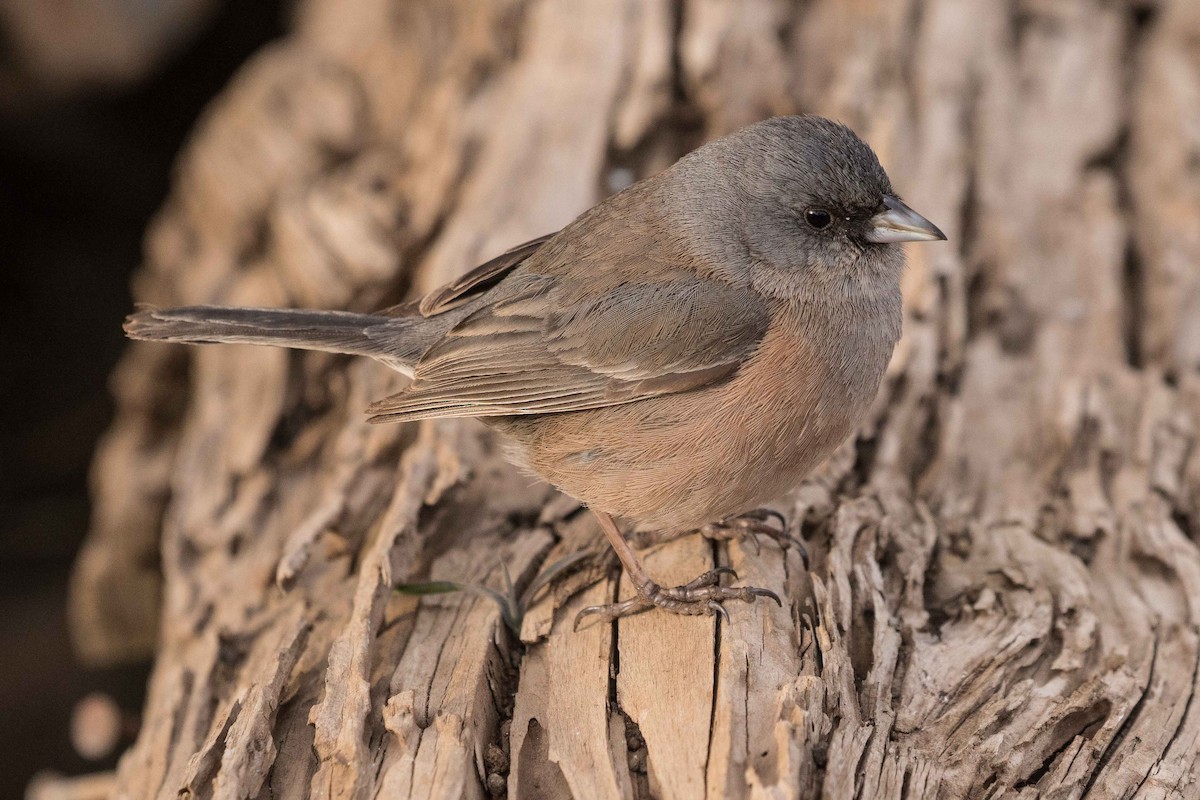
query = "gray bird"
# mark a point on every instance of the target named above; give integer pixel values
(679, 354)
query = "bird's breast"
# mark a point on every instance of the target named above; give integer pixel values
(675, 462)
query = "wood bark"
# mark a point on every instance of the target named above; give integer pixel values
(1004, 594)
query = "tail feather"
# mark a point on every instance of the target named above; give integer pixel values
(379, 337)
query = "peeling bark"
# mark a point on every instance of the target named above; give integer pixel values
(1004, 595)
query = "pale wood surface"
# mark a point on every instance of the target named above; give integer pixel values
(1004, 598)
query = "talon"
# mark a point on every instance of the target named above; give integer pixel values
(703, 595)
(586, 612)
(762, 514)
(612, 611)
(715, 608)
(684, 592)
(766, 593)
(749, 526)
(583, 612)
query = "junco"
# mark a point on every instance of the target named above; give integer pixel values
(687, 349)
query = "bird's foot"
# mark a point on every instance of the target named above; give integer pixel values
(704, 595)
(751, 525)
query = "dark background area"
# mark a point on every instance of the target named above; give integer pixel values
(81, 173)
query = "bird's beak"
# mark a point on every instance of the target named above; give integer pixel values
(899, 223)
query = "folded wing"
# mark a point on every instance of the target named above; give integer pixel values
(548, 343)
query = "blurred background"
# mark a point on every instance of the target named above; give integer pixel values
(96, 98)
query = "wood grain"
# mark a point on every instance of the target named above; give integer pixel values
(1004, 593)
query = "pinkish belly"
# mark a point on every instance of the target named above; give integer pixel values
(675, 463)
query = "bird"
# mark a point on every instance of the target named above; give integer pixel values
(683, 352)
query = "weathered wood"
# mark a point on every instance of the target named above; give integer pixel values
(1004, 595)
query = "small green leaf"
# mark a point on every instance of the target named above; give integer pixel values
(432, 587)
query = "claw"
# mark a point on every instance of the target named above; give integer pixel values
(585, 612)
(718, 571)
(767, 593)
(750, 525)
(611, 611)
(783, 536)
(762, 514)
(703, 595)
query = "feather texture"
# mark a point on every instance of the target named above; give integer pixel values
(545, 343)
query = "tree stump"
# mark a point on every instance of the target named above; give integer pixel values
(1004, 594)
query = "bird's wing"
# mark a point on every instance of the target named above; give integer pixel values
(469, 285)
(550, 343)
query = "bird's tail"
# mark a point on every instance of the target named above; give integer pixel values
(380, 337)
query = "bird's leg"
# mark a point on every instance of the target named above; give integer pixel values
(751, 525)
(703, 595)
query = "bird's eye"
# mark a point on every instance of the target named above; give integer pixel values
(818, 218)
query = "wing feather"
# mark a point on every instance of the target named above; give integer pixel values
(545, 344)
(479, 279)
